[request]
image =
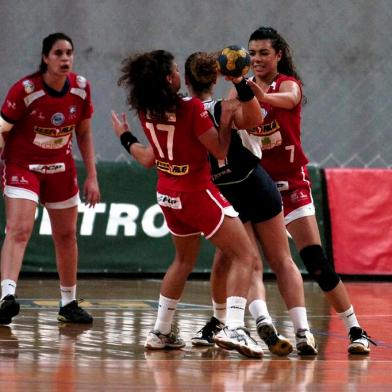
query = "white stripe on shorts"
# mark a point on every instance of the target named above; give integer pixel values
(14, 192)
(71, 202)
(307, 210)
(228, 211)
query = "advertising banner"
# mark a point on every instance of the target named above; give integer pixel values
(125, 232)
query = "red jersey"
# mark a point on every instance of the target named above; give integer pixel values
(180, 158)
(44, 119)
(281, 135)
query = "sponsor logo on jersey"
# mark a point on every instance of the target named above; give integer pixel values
(57, 119)
(265, 129)
(55, 132)
(270, 134)
(28, 86)
(175, 170)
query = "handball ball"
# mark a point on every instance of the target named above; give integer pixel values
(234, 61)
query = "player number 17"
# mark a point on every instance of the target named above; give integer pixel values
(170, 137)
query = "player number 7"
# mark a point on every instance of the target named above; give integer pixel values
(291, 148)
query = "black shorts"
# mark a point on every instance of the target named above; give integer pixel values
(256, 199)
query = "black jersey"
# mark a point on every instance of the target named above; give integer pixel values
(243, 156)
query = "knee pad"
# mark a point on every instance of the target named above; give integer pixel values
(319, 267)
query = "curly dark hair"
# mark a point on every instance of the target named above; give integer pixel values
(286, 64)
(144, 77)
(201, 71)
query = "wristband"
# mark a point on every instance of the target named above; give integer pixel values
(244, 92)
(127, 139)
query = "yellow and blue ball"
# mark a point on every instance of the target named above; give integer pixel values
(234, 61)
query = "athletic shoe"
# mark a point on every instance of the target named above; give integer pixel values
(238, 339)
(359, 341)
(8, 309)
(205, 336)
(306, 345)
(277, 344)
(73, 313)
(158, 341)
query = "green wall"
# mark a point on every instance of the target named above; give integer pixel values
(125, 233)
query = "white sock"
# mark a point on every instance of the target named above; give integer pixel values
(68, 294)
(258, 308)
(219, 311)
(8, 287)
(299, 318)
(166, 309)
(235, 312)
(349, 318)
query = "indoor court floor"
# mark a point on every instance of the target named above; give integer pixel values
(39, 354)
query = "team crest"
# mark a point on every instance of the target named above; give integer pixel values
(81, 81)
(28, 86)
(57, 119)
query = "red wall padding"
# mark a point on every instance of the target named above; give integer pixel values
(360, 204)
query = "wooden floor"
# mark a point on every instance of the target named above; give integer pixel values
(38, 354)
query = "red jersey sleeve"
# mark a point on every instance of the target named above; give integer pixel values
(201, 119)
(14, 107)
